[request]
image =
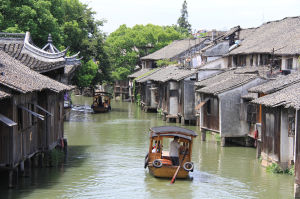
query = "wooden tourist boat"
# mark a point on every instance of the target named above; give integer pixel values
(158, 160)
(101, 102)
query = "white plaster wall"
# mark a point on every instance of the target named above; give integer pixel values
(174, 105)
(212, 58)
(173, 85)
(173, 99)
(283, 63)
(286, 143)
(153, 102)
(248, 60)
(217, 64)
(295, 63)
(229, 104)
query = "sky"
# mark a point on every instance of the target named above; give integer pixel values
(203, 14)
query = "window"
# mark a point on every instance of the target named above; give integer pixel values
(289, 64)
(208, 106)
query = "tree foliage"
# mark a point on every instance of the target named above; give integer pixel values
(87, 73)
(126, 46)
(70, 23)
(183, 19)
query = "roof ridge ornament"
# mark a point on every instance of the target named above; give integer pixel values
(50, 38)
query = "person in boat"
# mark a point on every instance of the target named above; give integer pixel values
(157, 147)
(174, 151)
(100, 104)
(154, 147)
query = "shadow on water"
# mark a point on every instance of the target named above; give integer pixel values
(44, 178)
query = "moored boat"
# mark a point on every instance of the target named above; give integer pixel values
(159, 161)
(101, 102)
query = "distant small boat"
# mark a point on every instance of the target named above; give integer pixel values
(101, 102)
(158, 160)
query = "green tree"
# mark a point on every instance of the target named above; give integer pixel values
(87, 73)
(126, 46)
(70, 23)
(183, 19)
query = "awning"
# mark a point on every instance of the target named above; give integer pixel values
(41, 117)
(201, 104)
(42, 109)
(7, 121)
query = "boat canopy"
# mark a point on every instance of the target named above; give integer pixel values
(172, 130)
(97, 93)
(172, 135)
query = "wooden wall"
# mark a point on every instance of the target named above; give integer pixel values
(211, 113)
(271, 132)
(5, 132)
(297, 162)
(25, 138)
(30, 136)
(51, 129)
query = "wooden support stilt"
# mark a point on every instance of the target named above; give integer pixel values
(11, 178)
(296, 191)
(65, 145)
(16, 175)
(182, 121)
(41, 159)
(223, 141)
(203, 136)
(35, 161)
(258, 149)
(22, 168)
(28, 166)
(164, 117)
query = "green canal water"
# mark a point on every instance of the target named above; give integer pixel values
(106, 158)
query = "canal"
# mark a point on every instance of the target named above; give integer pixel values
(106, 158)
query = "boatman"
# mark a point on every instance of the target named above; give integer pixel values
(174, 151)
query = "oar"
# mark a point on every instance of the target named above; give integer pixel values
(177, 170)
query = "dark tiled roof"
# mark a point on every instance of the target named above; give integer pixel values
(167, 73)
(287, 97)
(250, 96)
(139, 73)
(244, 33)
(282, 35)
(20, 47)
(230, 79)
(174, 49)
(229, 32)
(16, 76)
(279, 83)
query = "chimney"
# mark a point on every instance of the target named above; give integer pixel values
(213, 34)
